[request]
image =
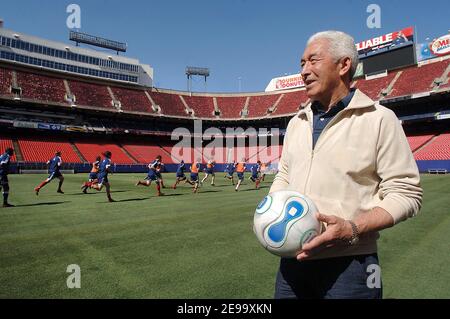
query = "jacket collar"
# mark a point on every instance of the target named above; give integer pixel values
(359, 101)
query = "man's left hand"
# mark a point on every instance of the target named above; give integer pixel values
(338, 231)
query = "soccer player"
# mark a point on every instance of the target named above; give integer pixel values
(180, 176)
(104, 170)
(209, 171)
(93, 175)
(230, 171)
(256, 170)
(159, 168)
(152, 176)
(54, 166)
(195, 168)
(5, 159)
(240, 169)
(264, 167)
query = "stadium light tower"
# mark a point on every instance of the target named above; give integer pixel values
(191, 71)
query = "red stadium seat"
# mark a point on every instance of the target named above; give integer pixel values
(5, 81)
(146, 153)
(416, 142)
(132, 100)
(438, 149)
(290, 102)
(231, 107)
(90, 94)
(202, 105)
(91, 150)
(43, 150)
(418, 79)
(42, 88)
(259, 104)
(373, 87)
(170, 103)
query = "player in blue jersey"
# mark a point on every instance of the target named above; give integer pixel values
(103, 171)
(93, 175)
(209, 171)
(180, 175)
(152, 175)
(256, 174)
(229, 170)
(54, 165)
(5, 159)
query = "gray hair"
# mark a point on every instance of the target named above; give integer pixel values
(342, 45)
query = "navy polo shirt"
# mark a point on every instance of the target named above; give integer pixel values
(322, 118)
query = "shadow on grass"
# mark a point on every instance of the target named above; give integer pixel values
(93, 193)
(131, 199)
(42, 204)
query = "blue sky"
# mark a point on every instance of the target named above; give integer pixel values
(254, 40)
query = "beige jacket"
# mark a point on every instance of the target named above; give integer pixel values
(362, 159)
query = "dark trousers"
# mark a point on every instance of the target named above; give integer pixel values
(332, 278)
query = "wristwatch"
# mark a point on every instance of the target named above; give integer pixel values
(355, 235)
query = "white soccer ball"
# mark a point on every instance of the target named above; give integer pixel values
(284, 221)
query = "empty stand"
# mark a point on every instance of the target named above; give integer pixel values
(373, 87)
(418, 79)
(41, 87)
(416, 142)
(203, 106)
(144, 153)
(259, 104)
(89, 94)
(437, 149)
(91, 150)
(132, 100)
(231, 107)
(5, 81)
(170, 103)
(43, 150)
(291, 102)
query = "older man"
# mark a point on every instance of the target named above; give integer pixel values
(351, 157)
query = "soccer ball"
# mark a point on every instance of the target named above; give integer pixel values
(284, 221)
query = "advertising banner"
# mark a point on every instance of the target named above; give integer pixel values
(285, 82)
(436, 48)
(385, 42)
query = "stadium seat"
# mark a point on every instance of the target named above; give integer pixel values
(91, 150)
(203, 106)
(437, 149)
(132, 100)
(5, 81)
(416, 142)
(170, 103)
(145, 154)
(231, 107)
(373, 87)
(42, 150)
(259, 104)
(41, 87)
(90, 94)
(290, 102)
(408, 82)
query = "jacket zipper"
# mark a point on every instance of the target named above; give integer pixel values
(317, 143)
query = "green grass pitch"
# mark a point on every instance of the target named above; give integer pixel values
(184, 245)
